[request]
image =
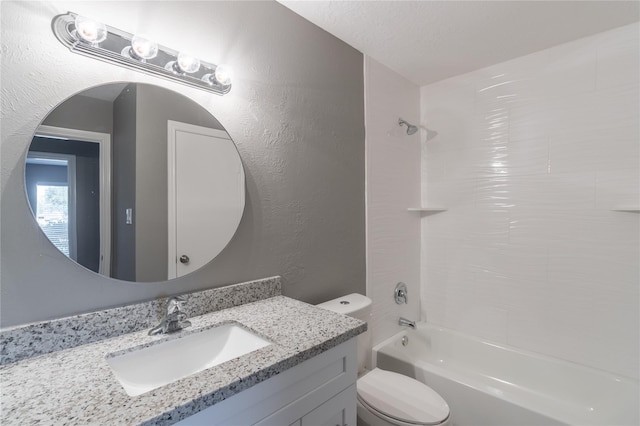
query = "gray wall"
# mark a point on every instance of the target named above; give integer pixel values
(123, 195)
(295, 112)
(82, 113)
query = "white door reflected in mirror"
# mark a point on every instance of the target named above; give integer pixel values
(206, 195)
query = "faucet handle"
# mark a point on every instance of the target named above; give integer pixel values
(175, 304)
(174, 320)
(400, 293)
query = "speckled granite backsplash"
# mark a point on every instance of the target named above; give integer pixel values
(44, 337)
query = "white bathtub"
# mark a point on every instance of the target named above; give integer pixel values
(489, 384)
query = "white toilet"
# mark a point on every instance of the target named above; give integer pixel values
(384, 397)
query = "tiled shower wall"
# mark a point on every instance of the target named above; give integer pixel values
(532, 158)
(393, 185)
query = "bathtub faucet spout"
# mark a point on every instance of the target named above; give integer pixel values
(407, 323)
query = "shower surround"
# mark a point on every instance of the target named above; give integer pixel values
(533, 158)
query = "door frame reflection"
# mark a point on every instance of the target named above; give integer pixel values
(104, 142)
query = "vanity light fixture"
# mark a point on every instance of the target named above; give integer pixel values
(91, 38)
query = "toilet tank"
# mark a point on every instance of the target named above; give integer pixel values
(357, 306)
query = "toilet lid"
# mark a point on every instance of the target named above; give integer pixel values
(401, 397)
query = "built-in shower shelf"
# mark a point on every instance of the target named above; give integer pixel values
(427, 210)
(627, 209)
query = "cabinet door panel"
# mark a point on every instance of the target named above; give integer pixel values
(338, 411)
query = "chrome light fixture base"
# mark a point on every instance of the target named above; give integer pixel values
(110, 50)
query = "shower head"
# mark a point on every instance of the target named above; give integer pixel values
(411, 129)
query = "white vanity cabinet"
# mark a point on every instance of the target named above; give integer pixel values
(319, 391)
(339, 410)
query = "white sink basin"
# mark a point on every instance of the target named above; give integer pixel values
(148, 368)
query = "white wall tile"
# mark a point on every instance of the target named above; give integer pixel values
(566, 70)
(451, 193)
(574, 154)
(536, 156)
(553, 191)
(393, 185)
(525, 157)
(574, 318)
(618, 59)
(618, 187)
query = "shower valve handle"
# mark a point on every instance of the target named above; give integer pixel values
(400, 293)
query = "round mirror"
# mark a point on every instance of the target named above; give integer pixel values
(135, 182)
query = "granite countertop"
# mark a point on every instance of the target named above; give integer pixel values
(76, 386)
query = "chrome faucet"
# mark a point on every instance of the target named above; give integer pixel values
(174, 320)
(407, 323)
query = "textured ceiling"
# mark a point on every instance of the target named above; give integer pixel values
(426, 41)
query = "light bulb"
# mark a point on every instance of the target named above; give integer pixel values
(223, 74)
(187, 63)
(143, 48)
(90, 31)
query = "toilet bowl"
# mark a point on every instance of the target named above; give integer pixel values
(386, 398)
